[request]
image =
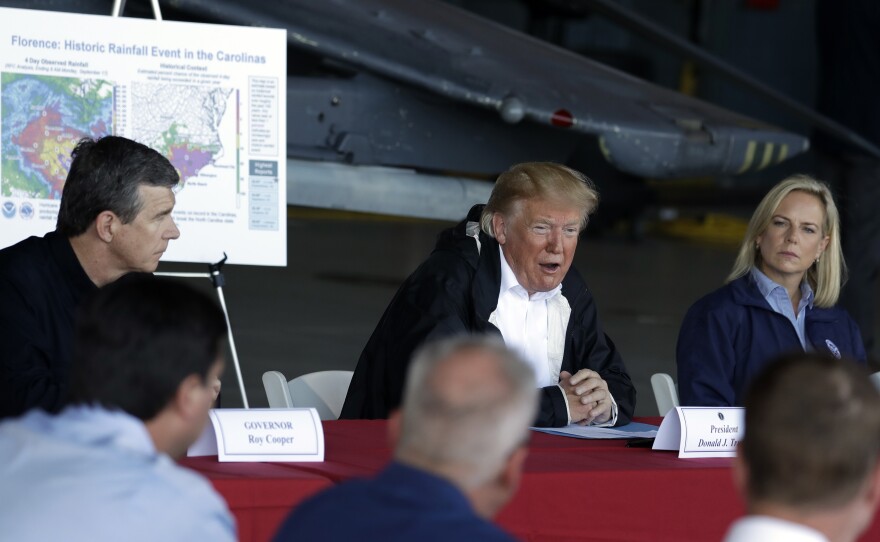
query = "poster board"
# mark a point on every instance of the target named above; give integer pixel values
(211, 98)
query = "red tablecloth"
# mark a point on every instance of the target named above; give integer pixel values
(572, 489)
(260, 495)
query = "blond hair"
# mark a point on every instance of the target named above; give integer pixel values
(828, 274)
(539, 180)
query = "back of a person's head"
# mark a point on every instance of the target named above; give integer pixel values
(137, 339)
(812, 432)
(104, 176)
(468, 403)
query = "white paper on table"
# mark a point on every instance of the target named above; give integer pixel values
(262, 434)
(630, 430)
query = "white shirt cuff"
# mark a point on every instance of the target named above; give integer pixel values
(567, 408)
(611, 421)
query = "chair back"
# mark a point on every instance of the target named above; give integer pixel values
(323, 390)
(277, 391)
(664, 392)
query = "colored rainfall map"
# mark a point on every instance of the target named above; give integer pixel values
(43, 117)
(183, 123)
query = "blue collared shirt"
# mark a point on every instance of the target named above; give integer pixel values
(89, 474)
(777, 297)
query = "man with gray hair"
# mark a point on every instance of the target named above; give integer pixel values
(506, 270)
(809, 464)
(460, 447)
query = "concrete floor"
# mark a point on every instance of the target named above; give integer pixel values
(318, 312)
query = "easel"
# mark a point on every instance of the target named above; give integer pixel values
(215, 273)
(215, 270)
(119, 6)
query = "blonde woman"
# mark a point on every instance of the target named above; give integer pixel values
(780, 297)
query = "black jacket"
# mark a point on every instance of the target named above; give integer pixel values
(41, 285)
(455, 291)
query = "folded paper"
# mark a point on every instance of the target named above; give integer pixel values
(260, 434)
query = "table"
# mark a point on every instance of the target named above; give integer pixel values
(572, 489)
(260, 495)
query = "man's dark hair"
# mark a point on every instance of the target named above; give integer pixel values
(138, 338)
(104, 176)
(812, 432)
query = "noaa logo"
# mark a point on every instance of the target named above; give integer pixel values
(720, 416)
(26, 210)
(8, 209)
(833, 347)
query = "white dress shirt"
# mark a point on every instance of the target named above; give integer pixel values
(535, 328)
(522, 321)
(770, 529)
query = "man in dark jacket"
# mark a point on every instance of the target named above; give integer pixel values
(507, 270)
(114, 219)
(460, 441)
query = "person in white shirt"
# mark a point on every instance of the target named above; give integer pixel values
(809, 463)
(146, 352)
(507, 270)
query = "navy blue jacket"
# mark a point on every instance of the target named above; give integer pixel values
(400, 504)
(729, 335)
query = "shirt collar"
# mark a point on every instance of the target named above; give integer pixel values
(766, 286)
(806, 294)
(510, 283)
(759, 527)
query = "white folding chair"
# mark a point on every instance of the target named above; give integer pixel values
(664, 392)
(323, 390)
(875, 378)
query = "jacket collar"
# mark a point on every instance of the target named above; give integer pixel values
(487, 280)
(745, 292)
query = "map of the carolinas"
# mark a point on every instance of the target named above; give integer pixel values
(43, 117)
(183, 123)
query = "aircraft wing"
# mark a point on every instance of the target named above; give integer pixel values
(642, 128)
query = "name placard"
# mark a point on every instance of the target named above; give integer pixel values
(701, 431)
(262, 434)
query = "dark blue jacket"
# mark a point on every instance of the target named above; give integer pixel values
(729, 335)
(401, 504)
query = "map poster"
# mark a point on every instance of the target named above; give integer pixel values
(210, 98)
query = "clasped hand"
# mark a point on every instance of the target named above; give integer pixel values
(588, 398)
